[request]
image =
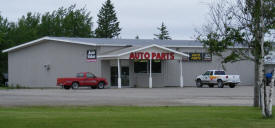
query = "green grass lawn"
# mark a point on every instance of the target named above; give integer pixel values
(133, 117)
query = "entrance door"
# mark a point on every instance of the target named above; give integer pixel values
(124, 76)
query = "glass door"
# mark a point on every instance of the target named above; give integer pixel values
(124, 76)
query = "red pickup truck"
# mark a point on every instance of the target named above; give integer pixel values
(82, 79)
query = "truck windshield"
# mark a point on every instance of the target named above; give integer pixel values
(79, 75)
(219, 73)
(207, 73)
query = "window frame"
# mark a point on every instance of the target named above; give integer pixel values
(79, 76)
(208, 73)
(219, 73)
(92, 75)
(211, 73)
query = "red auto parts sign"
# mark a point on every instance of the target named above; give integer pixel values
(152, 55)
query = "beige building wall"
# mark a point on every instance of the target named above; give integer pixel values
(26, 66)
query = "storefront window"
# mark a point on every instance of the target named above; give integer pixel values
(140, 66)
(143, 66)
(156, 66)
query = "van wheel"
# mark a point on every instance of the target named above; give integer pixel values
(232, 85)
(220, 84)
(75, 85)
(211, 85)
(198, 83)
(100, 85)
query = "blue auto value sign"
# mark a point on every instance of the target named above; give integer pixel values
(91, 55)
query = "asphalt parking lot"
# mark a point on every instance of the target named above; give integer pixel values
(239, 96)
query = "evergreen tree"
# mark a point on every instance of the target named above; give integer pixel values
(108, 25)
(163, 35)
(4, 31)
(6, 41)
(4, 25)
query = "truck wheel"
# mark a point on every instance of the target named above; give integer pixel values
(198, 83)
(67, 87)
(75, 85)
(220, 84)
(210, 85)
(232, 85)
(100, 85)
(93, 87)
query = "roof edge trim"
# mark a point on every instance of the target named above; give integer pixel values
(149, 46)
(25, 44)
(54, 39)
(155, 45)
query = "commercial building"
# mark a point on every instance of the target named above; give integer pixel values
(142, 63)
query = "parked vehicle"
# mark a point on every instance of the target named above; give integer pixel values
(4, 79)
(217, 77)
(268, 78)
(82, 79)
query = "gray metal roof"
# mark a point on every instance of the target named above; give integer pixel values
(132, 42)
(123, 50)
(112, 42)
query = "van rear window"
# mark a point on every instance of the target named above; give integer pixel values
(219, 73)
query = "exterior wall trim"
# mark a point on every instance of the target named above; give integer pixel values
(142, 48)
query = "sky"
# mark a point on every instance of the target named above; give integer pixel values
(136, 17)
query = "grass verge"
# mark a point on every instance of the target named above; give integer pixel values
(133, 117)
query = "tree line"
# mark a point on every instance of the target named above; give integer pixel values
(70, 22)
(63, 22)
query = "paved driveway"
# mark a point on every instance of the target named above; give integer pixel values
(240, 96)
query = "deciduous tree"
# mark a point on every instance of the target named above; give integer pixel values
(242, 24)
(67, 22)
